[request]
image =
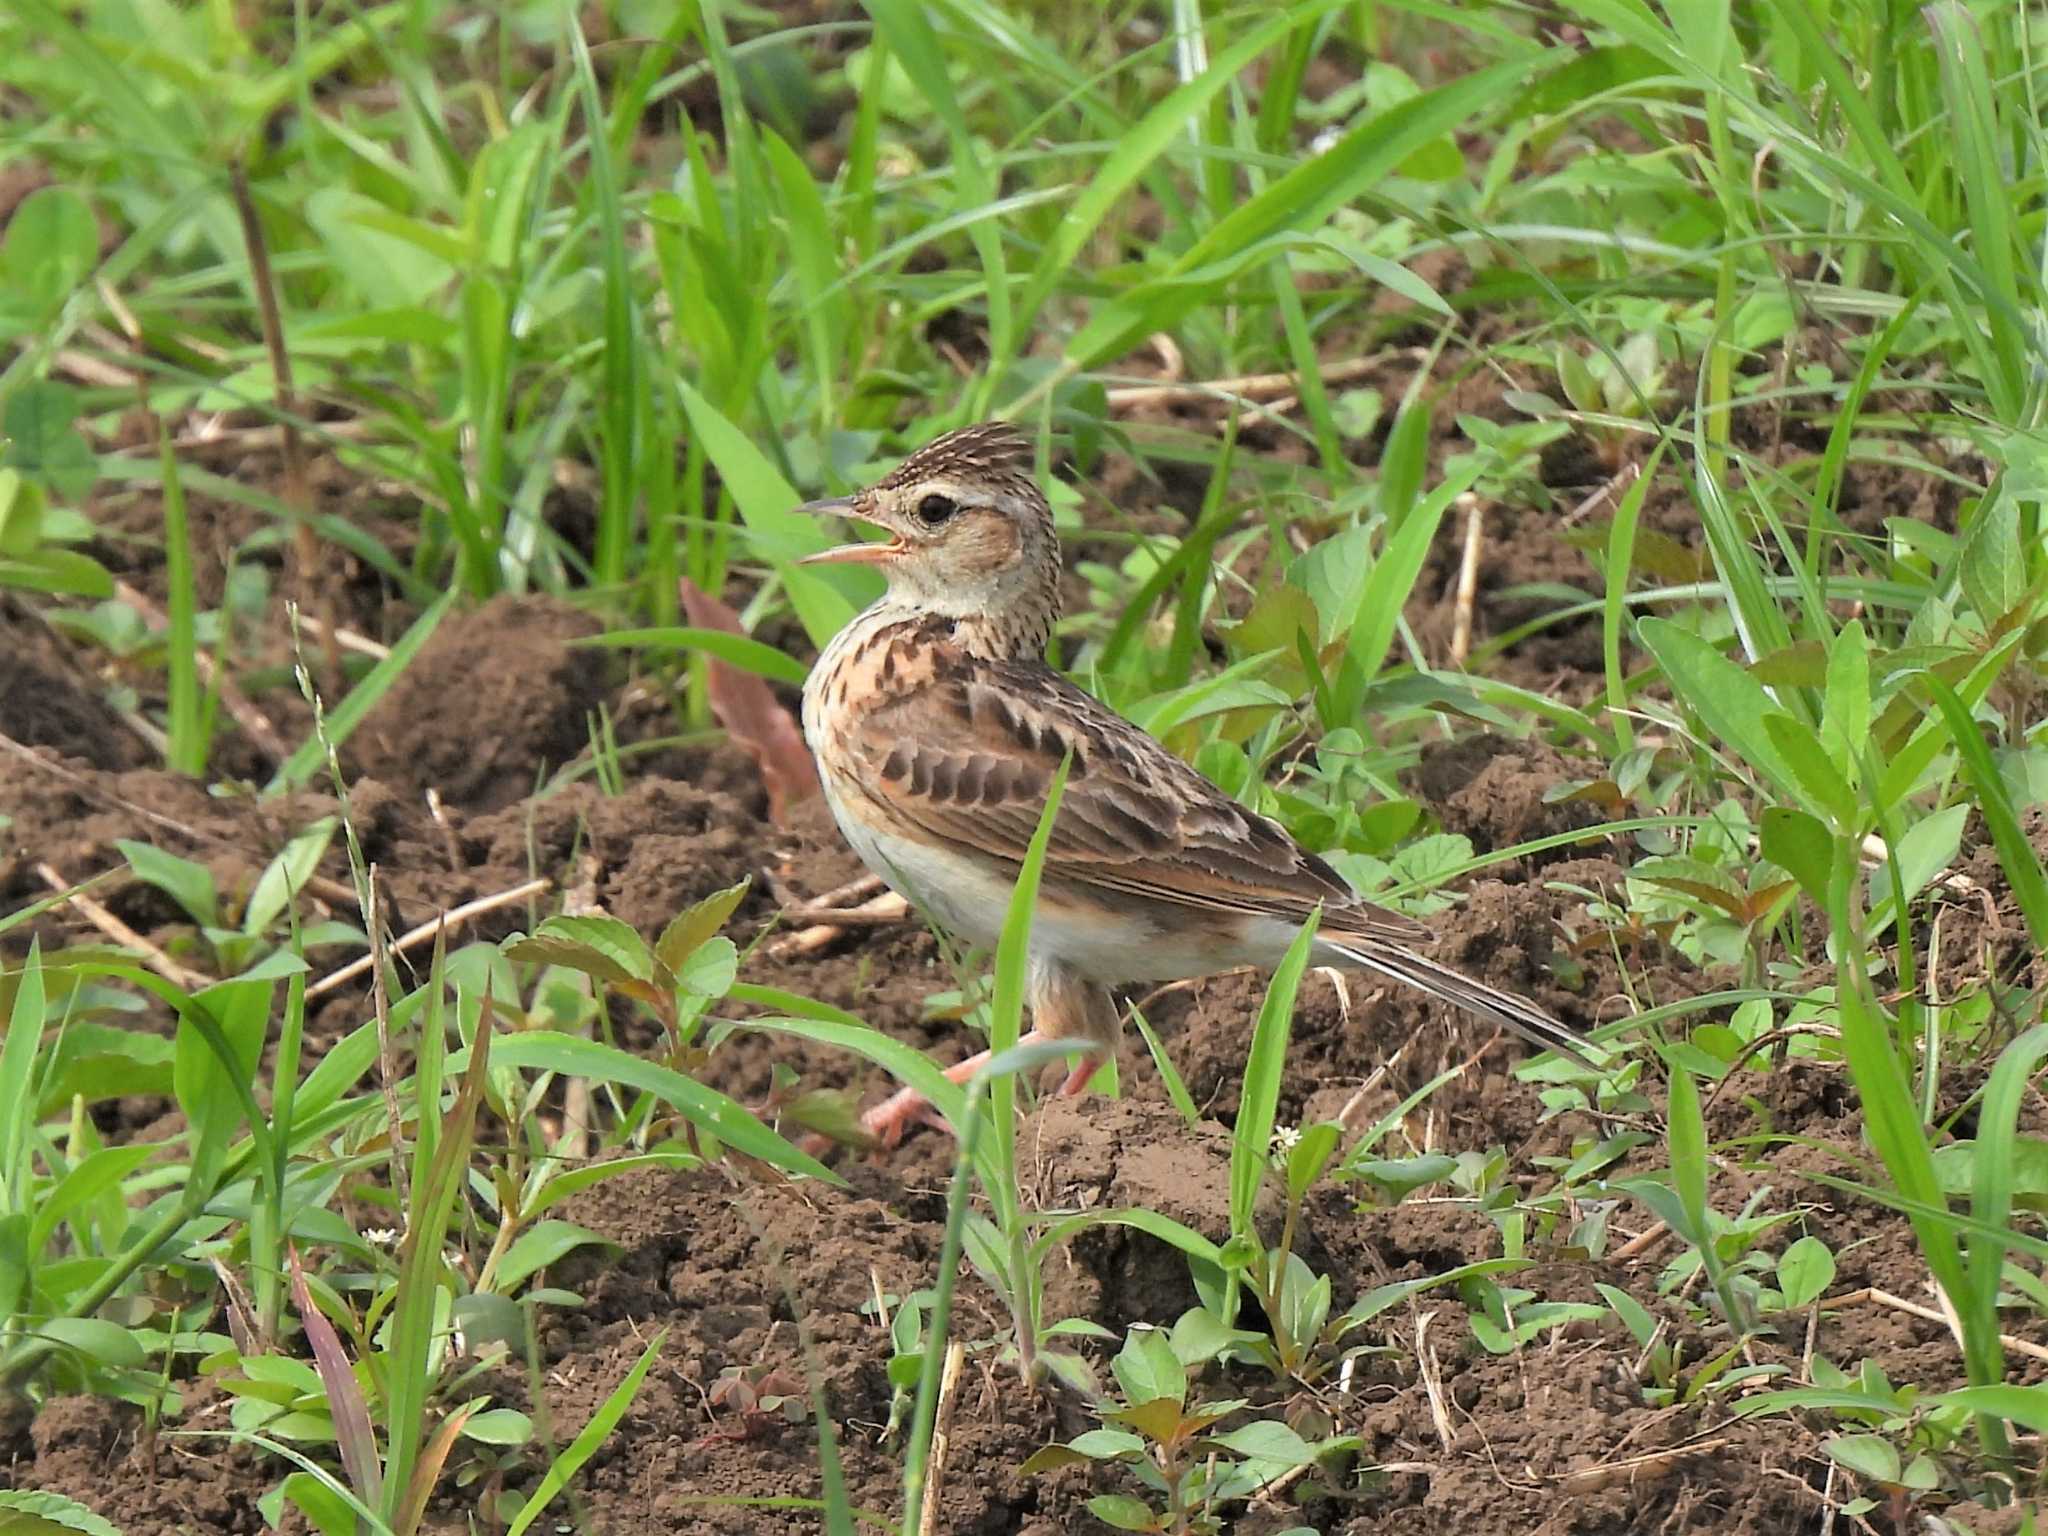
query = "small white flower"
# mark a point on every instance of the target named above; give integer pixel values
(381, 1237)
(1285, 1137)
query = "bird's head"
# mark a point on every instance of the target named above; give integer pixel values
(970, 532)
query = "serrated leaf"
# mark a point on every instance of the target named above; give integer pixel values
(697, 923)
(1157, 1418)
(547, 949)
(31, 1512)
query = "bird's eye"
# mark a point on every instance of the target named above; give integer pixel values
(936, 511)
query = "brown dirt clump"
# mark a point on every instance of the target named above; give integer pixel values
(497, 699)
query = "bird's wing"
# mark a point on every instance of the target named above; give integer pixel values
(965, 755)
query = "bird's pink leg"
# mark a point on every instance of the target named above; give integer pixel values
(888, 1120)
(1076, 1083)
(1064, 1008)
(906, 1107)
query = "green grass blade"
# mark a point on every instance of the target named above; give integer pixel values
(742, 651)
(547, 1050)
(2022, 865)
(187, 725)
(624, 384)
(1992, 1181)
(1146, 140)
(1251, 1141)
(588, 1439)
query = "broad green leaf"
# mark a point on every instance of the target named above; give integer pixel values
(286, 875)
(31, 1512)
(2025, 1406)
(1800, 845)
(103, 1343)
(603, 946)
(1805, 1271)
(1730, 702)
(186, 881)
(1994, 567)
(697, 923)
(711, 968)
(43, 441)
(1870, 1456)
(389, 269)
(1147, 1369)
(542, 1244)
(1845, 726)
(498, 1426)
(1124, 1512)
(52, 242)
(1801, 751)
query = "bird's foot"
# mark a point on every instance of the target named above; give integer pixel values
(892, 1119)
(889, 1121)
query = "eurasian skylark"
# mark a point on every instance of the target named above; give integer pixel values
(938, 727)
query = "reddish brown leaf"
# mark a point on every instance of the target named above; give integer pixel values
(353, 1435)
(751, 714)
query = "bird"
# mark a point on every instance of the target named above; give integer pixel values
(938, 727)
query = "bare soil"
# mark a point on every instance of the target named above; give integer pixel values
(1554, 1439)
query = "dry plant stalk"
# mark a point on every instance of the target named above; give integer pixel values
(949, 1392)
(427, 931)
(1468, 578)
(121, 933)
(254, 723)
(313, 597)
(885, 908)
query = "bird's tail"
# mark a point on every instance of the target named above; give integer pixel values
(1438, 980)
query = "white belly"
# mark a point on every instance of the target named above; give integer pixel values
(1157, 941)
(963, 897)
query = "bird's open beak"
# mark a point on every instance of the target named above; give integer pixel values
(848, 554)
